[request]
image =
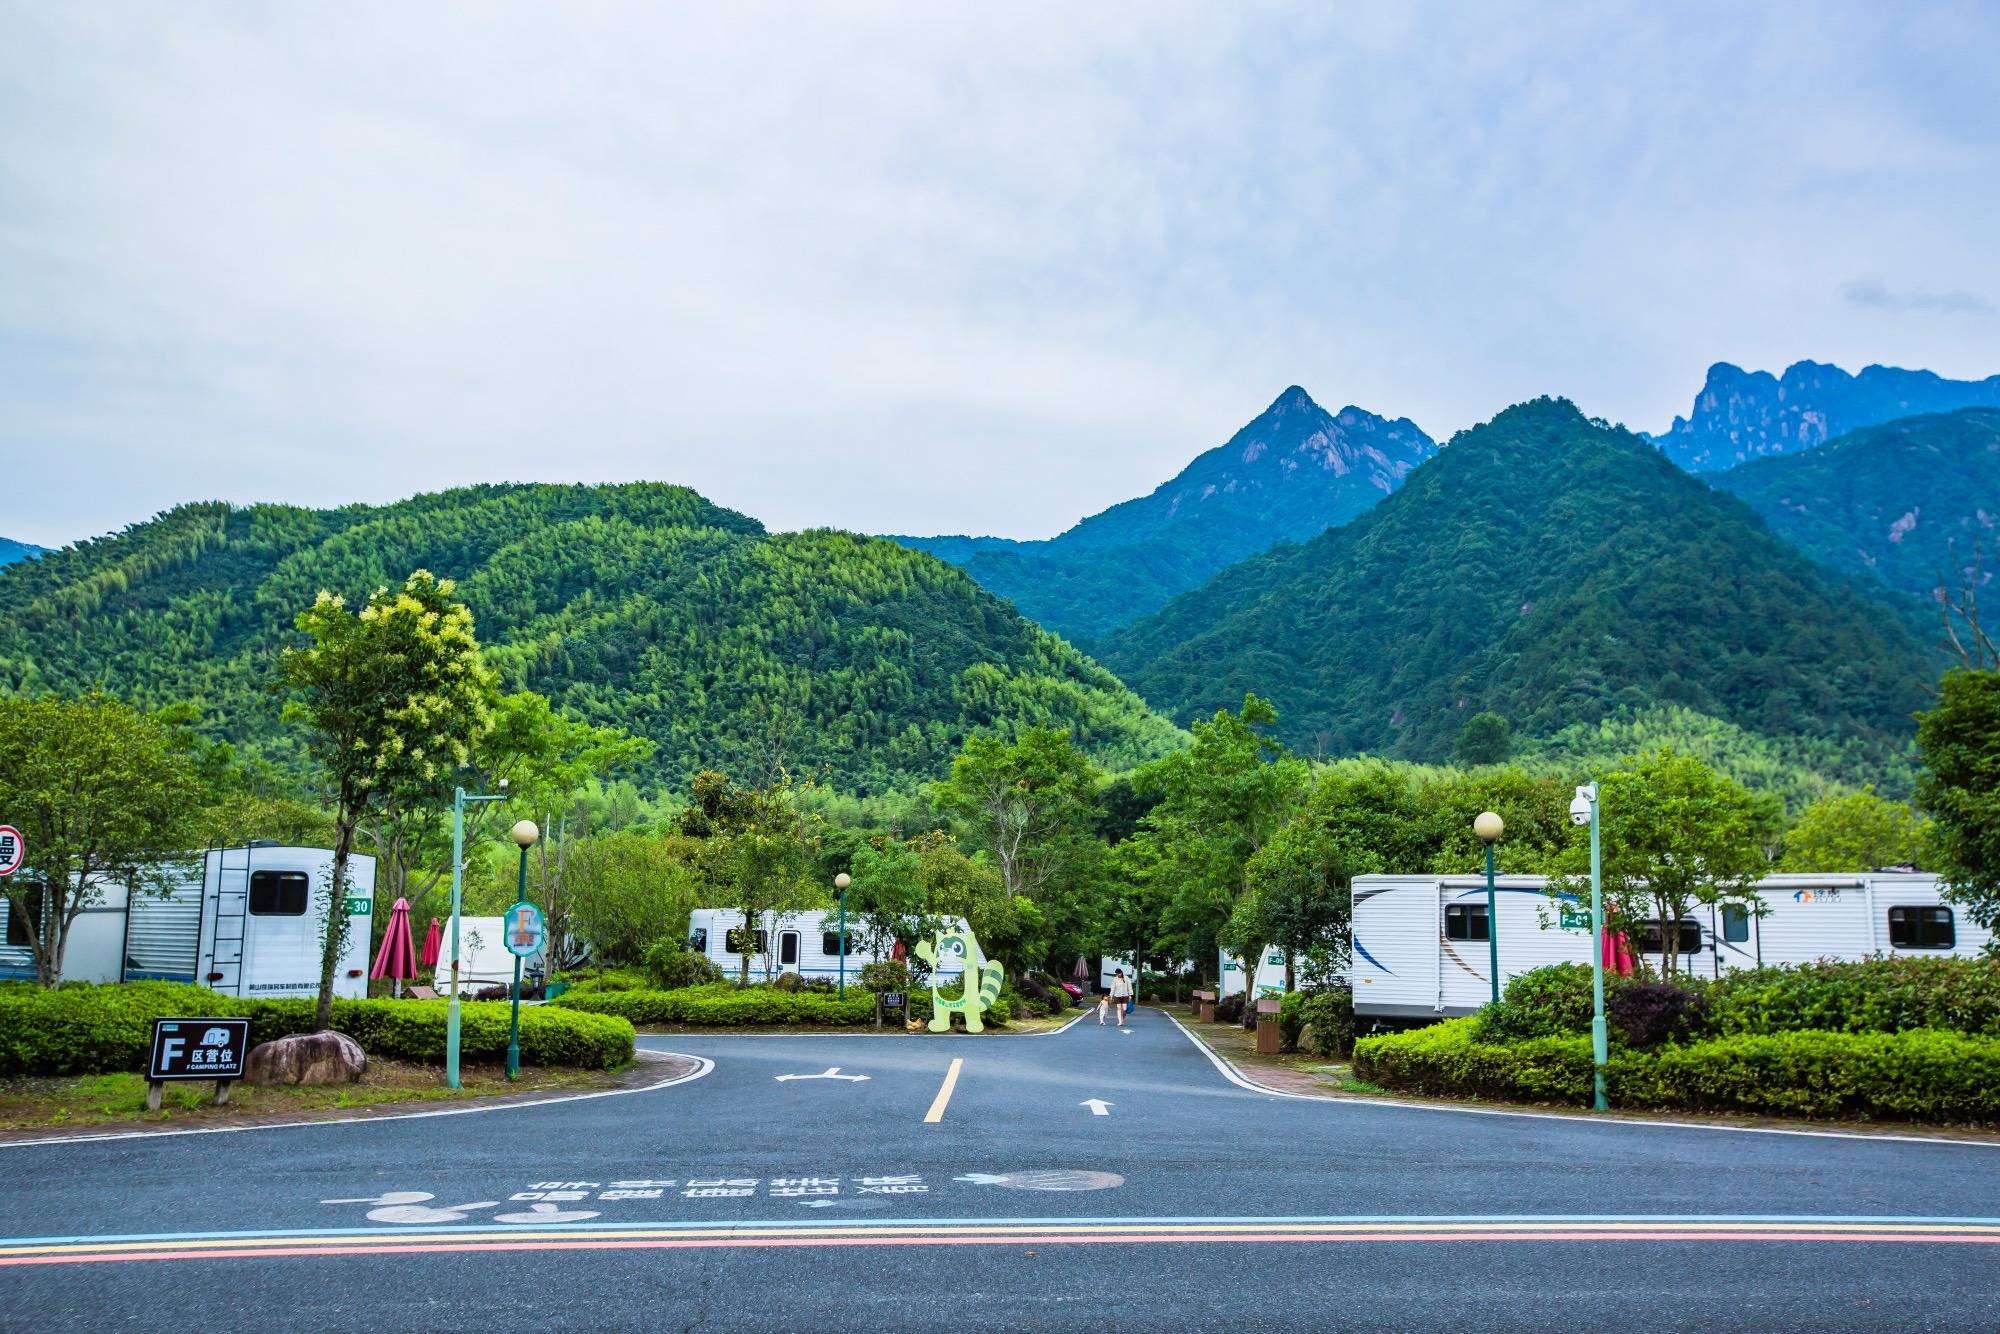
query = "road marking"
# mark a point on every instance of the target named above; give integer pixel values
(936, 1113)
(1229, 1072)
(703, 1067)
(1097, 1106)
(832, 1072)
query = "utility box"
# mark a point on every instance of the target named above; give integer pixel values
(1204, 1006)
(1267, 1025)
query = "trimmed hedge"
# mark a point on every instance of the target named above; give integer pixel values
(91, 1029)
(1887, 995)
(1918, 1075)
(723, 1005)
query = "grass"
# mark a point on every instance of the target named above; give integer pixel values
(92, 1101)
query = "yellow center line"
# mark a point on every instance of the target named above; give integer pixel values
(936, 1113)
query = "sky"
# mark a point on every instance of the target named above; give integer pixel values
(927, 267)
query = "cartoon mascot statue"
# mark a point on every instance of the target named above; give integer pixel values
(981, 985)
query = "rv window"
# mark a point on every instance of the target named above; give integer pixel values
(736, 941)
(278, 893)
(830, 944)
(24, 910)
(1735, 924)
(1465, 921)
(698, 940)
(1688, 942)
(1921, 929)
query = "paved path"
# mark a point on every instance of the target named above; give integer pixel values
(741, 1200)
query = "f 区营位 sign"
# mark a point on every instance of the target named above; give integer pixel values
(196, 1049)
(13, 849)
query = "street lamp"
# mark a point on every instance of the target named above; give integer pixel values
(459, 801)
(526, 835)
(1489, 827)
(841, 882)
(1586, 810)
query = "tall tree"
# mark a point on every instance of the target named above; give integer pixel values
(393, 699)
(1854, 831)
(100, 793)
(1959, 788)
(759, 852)
(1030, 804)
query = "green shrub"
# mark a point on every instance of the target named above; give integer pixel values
(84, 1030)
(1329, 1013)
(726, 1006)
(1449, 1060)
(1540, 1003)
(886, 975)
(610, 979)
(1883, 995)
(1645, 1014)
(673, 965)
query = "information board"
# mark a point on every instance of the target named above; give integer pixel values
(198, 1049)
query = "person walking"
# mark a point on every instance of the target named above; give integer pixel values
(1121, 994)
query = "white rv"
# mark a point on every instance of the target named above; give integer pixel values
(1270, 973)
(806, 943)
(244, 921)
(1422, 947)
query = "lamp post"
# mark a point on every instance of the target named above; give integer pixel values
(1489, 826)
(526, 835)
(841, 882)
(1585, 810)
(459, 801)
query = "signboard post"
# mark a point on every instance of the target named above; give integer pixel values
(13, 849)
(891, 1000)
(523, 930)
(196, 1048)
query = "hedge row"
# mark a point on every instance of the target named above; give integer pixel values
(723, 1005)
(1917, 1075)
(1887, 995)
(90, 1029)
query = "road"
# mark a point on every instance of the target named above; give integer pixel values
(739, 1199)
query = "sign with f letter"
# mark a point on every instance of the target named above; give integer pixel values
(196, 1048)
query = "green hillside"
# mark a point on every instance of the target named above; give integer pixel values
(1904, 502)
(1553, 570)
(643, 606)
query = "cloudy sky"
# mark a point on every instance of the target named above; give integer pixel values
(936, 267)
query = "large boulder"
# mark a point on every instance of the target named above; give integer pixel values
(306, 1058)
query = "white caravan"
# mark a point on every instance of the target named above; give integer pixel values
(244, 921)
(806, 943)
(1270, 973)
(483, 957)
(1422, 948)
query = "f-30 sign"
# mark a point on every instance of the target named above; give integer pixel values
(13, 849)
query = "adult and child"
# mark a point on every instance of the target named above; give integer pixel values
(1119, 997)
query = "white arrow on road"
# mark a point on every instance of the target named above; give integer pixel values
(1097, 1106)
(832, 1072)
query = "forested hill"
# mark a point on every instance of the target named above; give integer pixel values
(1741, 415)
(643, 605)
(1907, 502)
(1552, 570)
(1291, 473)
(11, 551)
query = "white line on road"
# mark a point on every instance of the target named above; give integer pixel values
(832, 1072)
(1097, 1106)
(936, 1113)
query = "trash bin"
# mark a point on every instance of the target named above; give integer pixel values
(1267, 1025)
(1204, 1006)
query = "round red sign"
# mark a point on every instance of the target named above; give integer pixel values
(13, 849)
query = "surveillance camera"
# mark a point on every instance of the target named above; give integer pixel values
(503, 783)
(1579, 810)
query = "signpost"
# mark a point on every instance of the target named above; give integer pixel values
(196, 1048)
(13, 849)
(1574, 919)
(891, 1000)
(524, 930)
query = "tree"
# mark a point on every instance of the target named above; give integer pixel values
(758, 853)
(629, 888)
(1675, 834)
(1959, 788)
(1028, 804)
(100, 793)
(1856, 831)
(1485, 739)
(393, 699)
(1299, 900)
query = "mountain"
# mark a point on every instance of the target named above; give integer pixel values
(1551, 569)
(1290, 474)
(1742, 415)
(1905, 502)
(11, 551)
(643, 606)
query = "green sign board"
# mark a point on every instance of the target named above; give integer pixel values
(1575, 919)
(357, 906)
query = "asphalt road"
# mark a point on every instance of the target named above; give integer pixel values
(742, 1200)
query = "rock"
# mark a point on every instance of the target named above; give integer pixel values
(1306, 1038)
(306, 1058)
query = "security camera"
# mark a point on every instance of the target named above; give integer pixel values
(503, 783)
(1579, 809)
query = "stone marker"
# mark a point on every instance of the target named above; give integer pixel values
(306, 1058)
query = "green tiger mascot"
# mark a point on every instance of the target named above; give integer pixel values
(961, 947)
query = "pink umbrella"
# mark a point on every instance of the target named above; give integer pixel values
(1082, 968)
(397, 958)
(433, 944)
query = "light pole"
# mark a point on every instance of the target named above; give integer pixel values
(526, 835)
(1585, 810)
(459, 800)
(841, 882)
(1489, 826)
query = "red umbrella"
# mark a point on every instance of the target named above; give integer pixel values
(398, 956)
(1082, 968)
(433, 944)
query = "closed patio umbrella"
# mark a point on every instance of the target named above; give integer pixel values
(433, 944)
(397, 959)
(1082, 968)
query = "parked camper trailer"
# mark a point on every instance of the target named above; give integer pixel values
(1422, 951)
(245, 921)
(1270, 972)
(806, 943)
(483, 957)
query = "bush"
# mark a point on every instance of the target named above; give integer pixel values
(1329, 1013)
(1540, 1003)
(609, 979)
(84, 1030)
(1646, 1014)
(886, 975)
(725, 1005)
(1229, 1010)
(1883, 995)
(1921, 1075)
(672, 965)
(1291, 1018)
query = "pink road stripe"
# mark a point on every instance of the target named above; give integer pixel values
(1024, 1239)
